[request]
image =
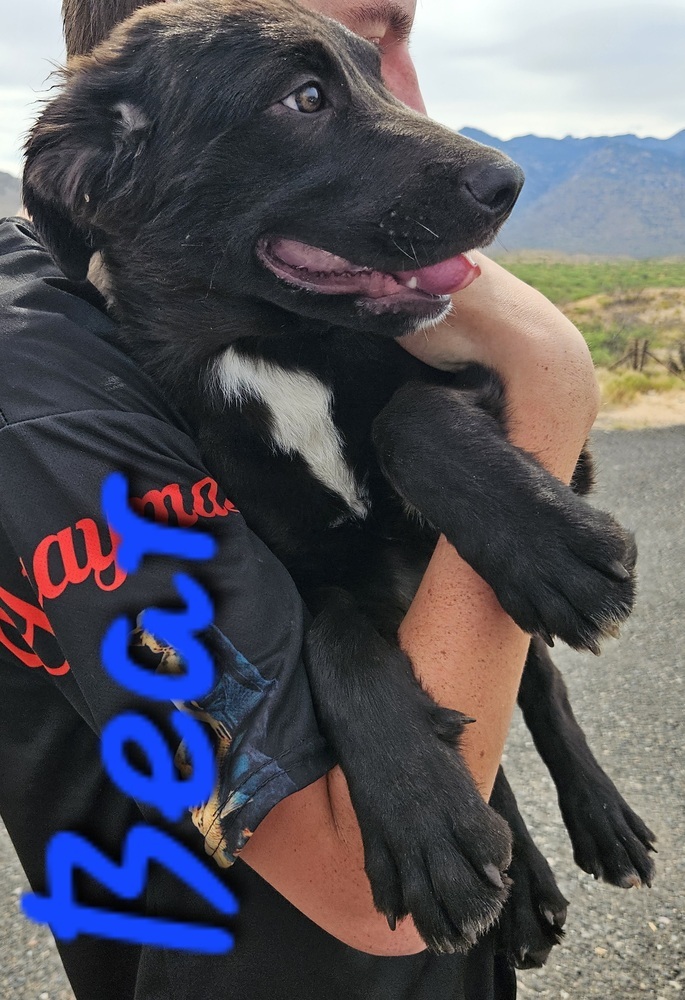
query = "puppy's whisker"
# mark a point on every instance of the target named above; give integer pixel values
(216, 267)
(424, 227)
(404, 252)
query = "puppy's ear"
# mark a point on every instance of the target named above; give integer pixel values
(80, 164)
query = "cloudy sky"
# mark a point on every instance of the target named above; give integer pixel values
(580, 67)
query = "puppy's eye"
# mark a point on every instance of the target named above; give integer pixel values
(309, 98)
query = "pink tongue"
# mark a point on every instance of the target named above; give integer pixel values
(442, 279)
(439, 279)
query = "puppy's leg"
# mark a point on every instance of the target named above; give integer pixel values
(432, 846)
(535, 912)
(609, 840)
(557, 565)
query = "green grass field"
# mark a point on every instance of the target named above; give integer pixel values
(629, 300)
(568, 280)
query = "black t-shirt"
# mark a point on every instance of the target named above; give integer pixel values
(73, 409)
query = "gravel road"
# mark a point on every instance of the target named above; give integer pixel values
(620, 945)
(624, 945)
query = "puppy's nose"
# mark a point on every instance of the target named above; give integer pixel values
(495, 186)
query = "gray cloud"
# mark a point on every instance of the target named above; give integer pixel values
(604, 41)
(580, 66)
(619, 63)
(30, 36)
(637, 55)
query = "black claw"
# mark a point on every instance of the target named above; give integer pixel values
(555, 920)
(618, 570)
(470, 936)
(544, 634)
(392, 922)
(593, 647)
(494, 875)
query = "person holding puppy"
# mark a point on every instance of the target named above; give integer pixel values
(74, 409)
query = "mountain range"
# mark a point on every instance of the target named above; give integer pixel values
(606, 195)
(614, 195)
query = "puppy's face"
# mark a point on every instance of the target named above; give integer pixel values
(218, 151)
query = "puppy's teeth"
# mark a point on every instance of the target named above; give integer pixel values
(412, 283)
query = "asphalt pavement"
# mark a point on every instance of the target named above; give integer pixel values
(620, 944)
(626, 944)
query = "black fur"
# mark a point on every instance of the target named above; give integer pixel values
(171, 153)
(609, 840)
(533, 919)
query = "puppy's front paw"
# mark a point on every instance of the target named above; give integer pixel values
(436, 851)
(573, 574)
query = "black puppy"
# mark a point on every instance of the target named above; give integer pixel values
(269, 219)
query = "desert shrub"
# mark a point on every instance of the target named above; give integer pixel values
(610, 343)
(568, 280)
(620, 388)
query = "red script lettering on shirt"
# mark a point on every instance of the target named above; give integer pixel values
(76, 553)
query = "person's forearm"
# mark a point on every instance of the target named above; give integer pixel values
(468, 654)
(466, 650)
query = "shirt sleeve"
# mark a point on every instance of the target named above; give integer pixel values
(73, 410)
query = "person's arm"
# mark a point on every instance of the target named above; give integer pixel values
(466, 650)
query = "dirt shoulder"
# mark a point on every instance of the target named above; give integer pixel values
(654, 409)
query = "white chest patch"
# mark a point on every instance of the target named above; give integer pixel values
(301, 409)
